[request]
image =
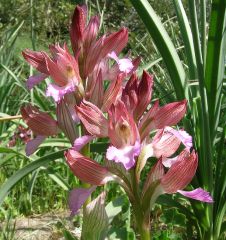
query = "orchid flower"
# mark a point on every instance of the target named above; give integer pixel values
(41, 124)
(128, 129)
(61, 66)
(137, 130)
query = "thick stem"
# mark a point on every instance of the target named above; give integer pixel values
(86, 152)
(142, 216)
(142, 222)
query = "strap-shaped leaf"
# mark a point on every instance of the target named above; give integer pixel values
(187, 37)
(216, 50)
(164, 45)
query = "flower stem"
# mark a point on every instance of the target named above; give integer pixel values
(86, 152)
(142, 222)
(142, 216)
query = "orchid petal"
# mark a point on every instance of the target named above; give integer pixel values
(65, 120)
(156, 173)
(58, 92)
(125, 64)
(33, 144)
(77, 27)
(36, 60)
(105, 45)
(39, 122)
(87, 169)
(112, 93)
(35, 79)
(147, 122)
(77, 198)
(144, 93)
(122, 129)
(93, 119)
(170, 114)
(183, 136)
(166, 145)
(80, 142)
(197, 194)
(126, 155)
(90, 32)
(168, 162)
(180, 174)
(96, 93)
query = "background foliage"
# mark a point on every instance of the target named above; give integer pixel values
(36, 24)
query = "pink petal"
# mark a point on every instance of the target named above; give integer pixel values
(125, 64)
(35, 79)
(93, 119)
(77, 197)
(170, 114)
(144, 93)
(96, 93)
(112, 93)
(39, 122)
(80, 142)
(87, 169)
(168, 162)
(91, 32)
(147, 122)
(65, 120)
(58, 92)
(33, 144)
(126, 155)
(180, 174)
(183, 136)
(77, 27)
(105, 45)
(71, 102)
(198, 194)
(113, 56)
(36, 60)
(156, 173)
(166, 145)
(122, 129)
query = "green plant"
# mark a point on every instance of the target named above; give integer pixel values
(203, 87)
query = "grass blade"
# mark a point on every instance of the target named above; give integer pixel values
(164, 45)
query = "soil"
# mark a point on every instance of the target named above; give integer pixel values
(42, 227)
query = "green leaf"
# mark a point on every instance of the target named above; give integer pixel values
(68, 235)
(95, 219)
(216, 50)
(114, 207)
(173, 217)
(16, 177)
(164, 45)
(187, 38)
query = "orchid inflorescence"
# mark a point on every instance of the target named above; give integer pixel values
(96, 89)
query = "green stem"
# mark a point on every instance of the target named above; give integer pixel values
(142, 217)
(86, 152)
(142, 222)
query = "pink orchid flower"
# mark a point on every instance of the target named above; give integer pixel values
(84, 41)
(61, 66)
(176, 178)
(41, 124)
